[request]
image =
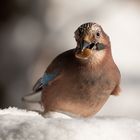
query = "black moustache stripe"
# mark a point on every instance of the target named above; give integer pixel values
(98, 46)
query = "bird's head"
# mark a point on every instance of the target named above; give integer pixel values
(91, 41)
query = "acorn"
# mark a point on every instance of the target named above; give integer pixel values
(84, 54)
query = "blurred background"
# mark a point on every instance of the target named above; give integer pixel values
(33, 32)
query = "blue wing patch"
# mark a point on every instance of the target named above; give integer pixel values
(44, 80)
(48, 77)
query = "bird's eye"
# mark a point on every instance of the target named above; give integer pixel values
(98, 34)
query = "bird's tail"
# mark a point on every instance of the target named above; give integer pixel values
(32, 102)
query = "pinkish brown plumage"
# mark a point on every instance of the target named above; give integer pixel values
(79, 81)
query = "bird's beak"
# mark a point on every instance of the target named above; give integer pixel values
(85, 49)
(87, 44)
(83, 44)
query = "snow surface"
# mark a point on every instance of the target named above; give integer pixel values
(16, 124)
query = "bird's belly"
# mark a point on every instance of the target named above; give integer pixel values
(84, 109)
(77, 99)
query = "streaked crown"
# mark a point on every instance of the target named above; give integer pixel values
(85, 29)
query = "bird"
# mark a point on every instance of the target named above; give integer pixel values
(79, 81)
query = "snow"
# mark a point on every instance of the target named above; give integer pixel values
(17, 124)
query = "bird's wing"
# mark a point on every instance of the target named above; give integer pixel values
(53, 71)
(33, 101)
(44, 81)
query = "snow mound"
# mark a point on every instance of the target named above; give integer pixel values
(18, 124)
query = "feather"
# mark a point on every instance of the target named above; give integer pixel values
(43, 81)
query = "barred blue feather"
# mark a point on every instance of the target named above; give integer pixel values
(43, 81)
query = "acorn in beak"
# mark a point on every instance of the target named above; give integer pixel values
(85, 49)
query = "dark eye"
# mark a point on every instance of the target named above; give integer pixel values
(98, 34)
